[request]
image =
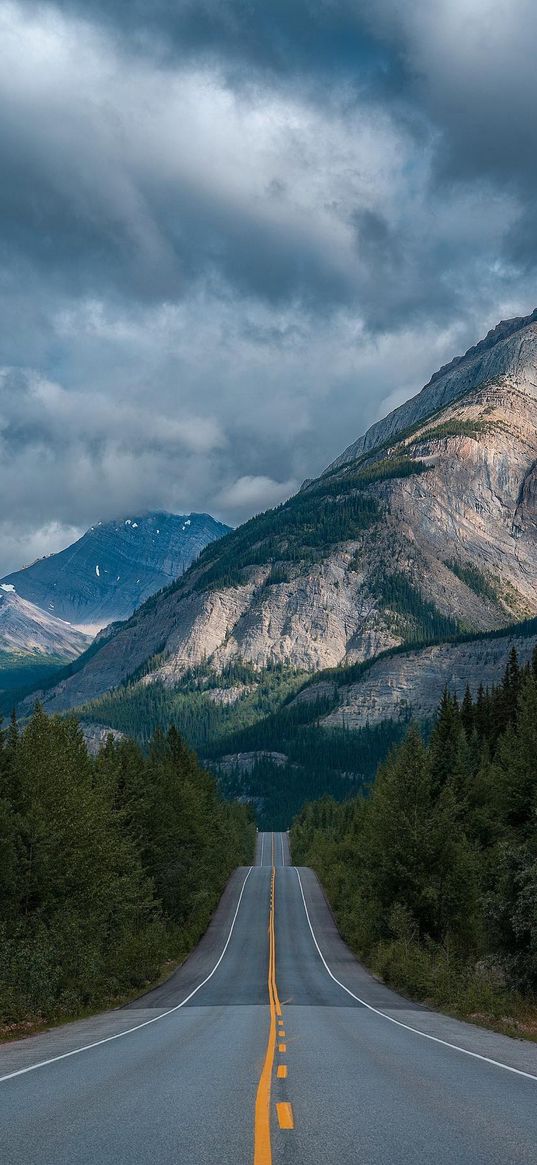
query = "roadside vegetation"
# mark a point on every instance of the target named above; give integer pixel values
(433, 877)
(110, 866)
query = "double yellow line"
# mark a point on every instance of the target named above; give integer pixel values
(262, 1143)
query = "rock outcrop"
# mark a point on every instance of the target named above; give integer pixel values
(412, 683)
(96, 735)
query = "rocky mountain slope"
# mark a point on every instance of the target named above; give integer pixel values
(424, 528)
(509, 349)
(411, 683)
(115, 566)
(25, 630)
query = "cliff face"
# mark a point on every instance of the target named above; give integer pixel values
(412, 683)
(475, 508)
(509, 349)
(430, 532)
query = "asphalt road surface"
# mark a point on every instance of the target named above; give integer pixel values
(270, 1044)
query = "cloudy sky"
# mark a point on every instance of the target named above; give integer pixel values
(233, 233)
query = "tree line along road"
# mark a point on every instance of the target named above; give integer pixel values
(270, 1044)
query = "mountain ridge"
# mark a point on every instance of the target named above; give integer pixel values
(429, 532)
(496, 354)
(114, 566)
(27, 630)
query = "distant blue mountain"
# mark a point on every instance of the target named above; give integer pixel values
(115, 566)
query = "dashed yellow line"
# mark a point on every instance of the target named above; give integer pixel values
(262, 1144)
(284, 1111)
(285, 1115)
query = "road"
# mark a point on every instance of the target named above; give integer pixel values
(270, 1045)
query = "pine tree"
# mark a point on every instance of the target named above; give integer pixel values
(442, 864)
(446, 741)
(515, 762)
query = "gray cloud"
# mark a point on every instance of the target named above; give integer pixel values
(304, 38)
(227, 246)
(142, 178)
(469, 65)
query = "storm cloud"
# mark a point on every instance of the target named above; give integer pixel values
(233, 235)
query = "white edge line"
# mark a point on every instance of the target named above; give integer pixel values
(283, 855)
(398, 1022)
(262, 847)
(118, 1035)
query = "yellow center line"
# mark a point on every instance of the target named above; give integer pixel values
(285, 1115)
(262, 1143)
(282, 1071)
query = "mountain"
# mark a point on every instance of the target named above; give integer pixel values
(25, 629)
(33, 643)
(509, 349)
(399, 570)
(115, 566)
(428, 529)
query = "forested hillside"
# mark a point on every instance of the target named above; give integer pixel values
(433, 878)
(109, 866)
(240, 711)
(306, 736)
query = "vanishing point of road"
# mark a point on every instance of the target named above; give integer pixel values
(271, 1044)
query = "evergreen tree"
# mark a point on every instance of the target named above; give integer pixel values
(107, 865)
(446, 741)
(515, 763)
(467, 713)
(440, 864)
